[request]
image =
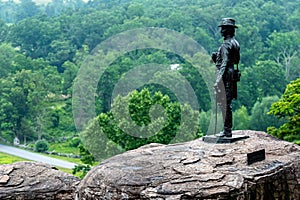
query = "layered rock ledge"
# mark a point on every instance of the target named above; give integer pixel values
(29, 180)
(191, 170)
(198, 170)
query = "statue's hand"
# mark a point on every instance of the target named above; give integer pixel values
(218, 94)
(214, 57)
(217, 88)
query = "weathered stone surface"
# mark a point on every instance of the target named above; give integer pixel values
(198, 170)
(29, 180)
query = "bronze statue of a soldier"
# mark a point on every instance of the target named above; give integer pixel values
(227, 56)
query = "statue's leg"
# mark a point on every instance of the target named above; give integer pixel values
(227, 113)
(226, 105)
(228, 118)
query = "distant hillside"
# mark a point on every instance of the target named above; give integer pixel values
(36, 1)
(42, 1)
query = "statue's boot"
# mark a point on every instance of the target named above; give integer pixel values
(225, 134)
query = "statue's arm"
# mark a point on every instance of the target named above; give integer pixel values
(214, 57)
(224, 54)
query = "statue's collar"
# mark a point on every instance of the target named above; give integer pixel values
(228, 37)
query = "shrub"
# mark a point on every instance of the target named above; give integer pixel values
(75, 142)
(41, 146)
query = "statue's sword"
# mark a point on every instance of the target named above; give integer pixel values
(216, 116)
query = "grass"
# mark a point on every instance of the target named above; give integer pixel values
(297, 142)
(8, 159)
(57, 147)
(63, 148)
(73, 160)
(69, 171)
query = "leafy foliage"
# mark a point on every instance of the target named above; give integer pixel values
(75, 142)
(283, 47)
(265, 78)
(138, 119)
(259, 119)
(42, 46)
(288, 107)
(87, 158)
(41, 146)
(241, 119)
(82, 169)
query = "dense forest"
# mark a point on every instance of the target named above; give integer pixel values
(42, 47)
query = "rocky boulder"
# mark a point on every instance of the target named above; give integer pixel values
(29, 180)
(198, 170)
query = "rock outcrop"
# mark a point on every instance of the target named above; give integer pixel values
(198, 170)
(191, 170)
(29, 180)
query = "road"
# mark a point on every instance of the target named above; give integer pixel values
(36, 157)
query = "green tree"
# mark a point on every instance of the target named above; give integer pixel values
(7, 55)
(9, 11)
(24, 97)
(8, 112)
(70, 72)
(87, 158)
(288, 108)
(293, 16)
(54, 8)
(41, 146)
(204, 119)
(96, 141)
(241, 119)
(259, 119)
(34, 36)
(3, 31)
(36, 47)
(135, 10)
(138, 119)
(284, 48)
(58, 7)
(265, 78)
(61, 51)
(248, 34)
(27, 8)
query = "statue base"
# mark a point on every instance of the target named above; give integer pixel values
(222, 140)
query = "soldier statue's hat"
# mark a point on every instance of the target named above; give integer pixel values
(228, 22)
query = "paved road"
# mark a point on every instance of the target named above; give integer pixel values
(36, 157)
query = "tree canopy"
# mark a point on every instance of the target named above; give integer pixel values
(288, 107)
(43, 47)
